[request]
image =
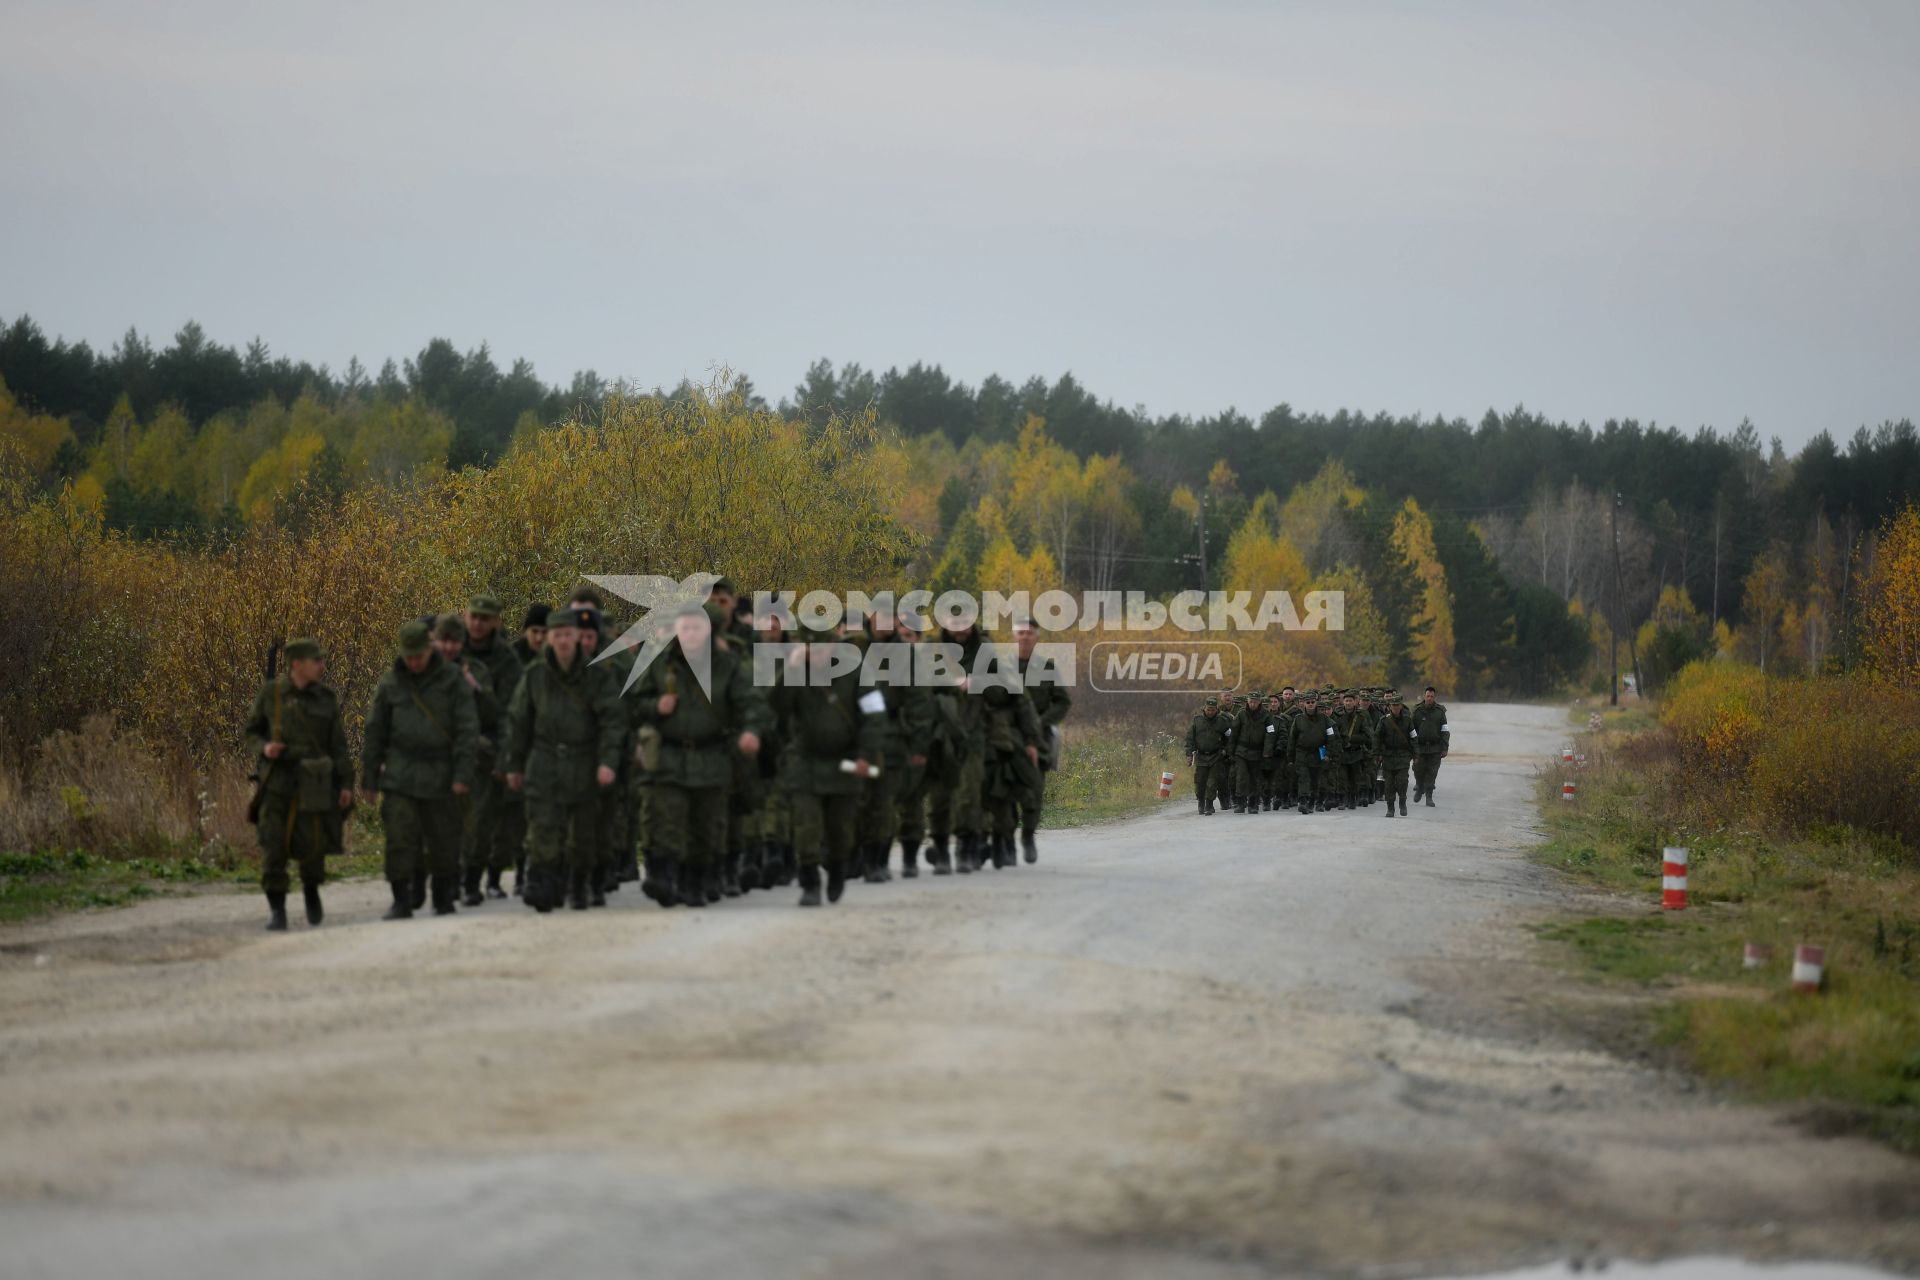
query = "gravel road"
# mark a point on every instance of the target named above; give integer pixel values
(1179, 1046)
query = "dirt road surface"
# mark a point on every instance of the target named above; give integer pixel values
(1179, 1046)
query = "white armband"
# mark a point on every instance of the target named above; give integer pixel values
(873, 702)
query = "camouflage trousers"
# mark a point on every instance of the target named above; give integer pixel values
(1209, 782)
(563, 834)
(290, 836)
(487, 842)
(879, 814)
(687, 825)
(910, 804)
(954, 800)
(1306, 783)
(823, 827)
(422, 836)
(1027, 807)
(1425, 769)
(1246, 779)
(1395, 767)
(1276, 780)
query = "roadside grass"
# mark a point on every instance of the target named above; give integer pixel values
(1632, 716)
(1111, 770)
(1856, 1046)
(49, 881)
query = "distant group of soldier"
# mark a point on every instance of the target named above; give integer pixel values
(1315, 750)
(488, 755)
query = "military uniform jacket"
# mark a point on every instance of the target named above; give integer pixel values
(822, 725)
(562, 726)
(1429, 730)
(315, 767)
(1051, 702)
(1206, 737)
(697, 740)
(1393, 738)
(1012, 725)
(1352, 737)
(1250, 733)
(423, 732)
(957, 711)
(1311, 732)
(1273, 745)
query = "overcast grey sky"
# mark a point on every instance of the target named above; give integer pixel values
(1687, 212)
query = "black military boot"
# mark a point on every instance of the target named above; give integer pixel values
(1389, 807)
(402, 908)
(1028, 847)
(520, 876)
(882, 854)
(444, 895)
(809, 886)
(657, 883)
(938, 858)
(1003, 858)
(311, 892)
(711, 880)
(1403, 806)
(873, 864)
(749, 873)
(836, 879)
(909, 870)
(577, 889)
(493, 883)
(963, 854)
(1201, 802)
(418, 898)
(693, 886)
(472, 896)
(600, 883)
(1429, 797)
(729, 875)
(276, 912)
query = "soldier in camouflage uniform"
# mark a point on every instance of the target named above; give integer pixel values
(1272, 768)
(564, 730)
(910, 800)
(1206, 748)
(833, 737)
(1352, 740)
(954, 788)
(1393, 735)
(419, 752)
(909, 718)
(1051, 702)
(499, 826)
(305, 777)
(1430, 743)
(450, 642)
(693, 733)
(1249, 739)
(1307, 746)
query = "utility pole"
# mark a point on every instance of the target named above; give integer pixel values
(1633, 650)
(1613, 614)
(1204, 580)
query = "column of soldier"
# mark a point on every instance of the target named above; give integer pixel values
(1311, 751)
(486, 755)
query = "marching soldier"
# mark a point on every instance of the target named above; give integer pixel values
(304, 777)
(1352, 740)
(1206, 749)
(1012, 765)
(1274, 773)
(1051, 703)
(688, 756)
(909, 718)
(833, 739)
(564, 730)
(1394, 737)
(911, 799)
(954, 789)
(421, 740)
(1430, 743)
(491, 845)
(533, 634)
(450, 638)
(1249, 740)
(1307, 745)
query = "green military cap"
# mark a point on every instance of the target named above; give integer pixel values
(726, 585)
(304, 647)
(484, 604)
(414, 638)
(449, 627)
(571, 616)
(1212, 701)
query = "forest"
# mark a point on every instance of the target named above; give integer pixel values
(1510, 555)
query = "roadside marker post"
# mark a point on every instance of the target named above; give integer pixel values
(1673, 879)
(1566, 791)
(1166, 784)
(1809, 969)
(1756, 956)
(1566, 754)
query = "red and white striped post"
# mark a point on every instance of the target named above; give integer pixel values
(1756, 956)
(1566, 754)
(1809, 969)
(1166, 784)
(1566, 791)
(1673, 879)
